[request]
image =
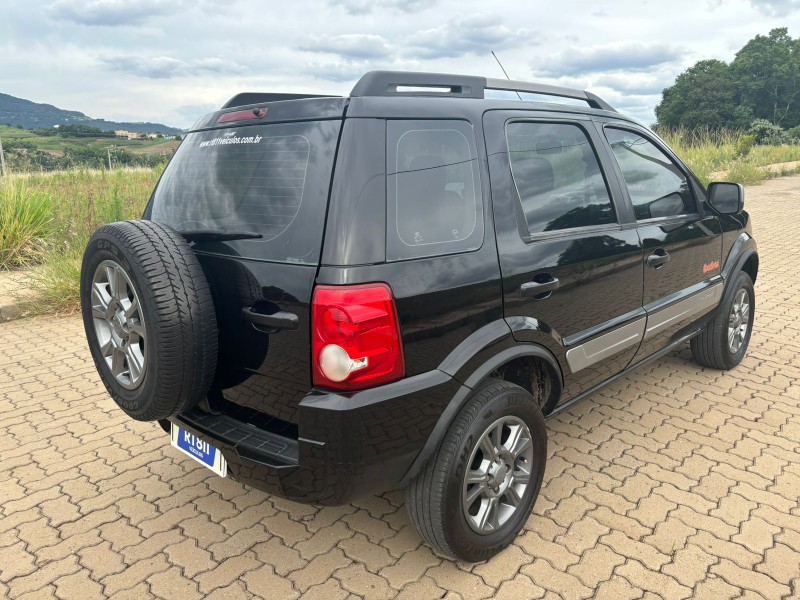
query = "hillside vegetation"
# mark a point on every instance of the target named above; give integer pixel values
(79, 147)
(32, 115)
(761, 83)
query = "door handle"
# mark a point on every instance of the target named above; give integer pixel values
(538, 290)
(278, 320)
(658, 258)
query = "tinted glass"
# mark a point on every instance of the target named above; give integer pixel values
(558, 178)
(267, 179)
(433, 190)
(657, 187)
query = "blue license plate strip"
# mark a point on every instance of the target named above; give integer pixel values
(198, 449)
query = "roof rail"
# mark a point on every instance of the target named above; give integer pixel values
(246, 98)
(409, 83)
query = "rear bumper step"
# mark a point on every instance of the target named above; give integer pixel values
(248, 441)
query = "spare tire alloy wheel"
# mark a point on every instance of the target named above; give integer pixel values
(118, 324)
(149, 318)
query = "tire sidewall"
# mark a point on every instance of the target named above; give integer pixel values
(103, 247)
(471, 545)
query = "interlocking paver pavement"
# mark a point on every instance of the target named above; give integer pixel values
(674, 482)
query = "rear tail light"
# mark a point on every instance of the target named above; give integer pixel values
(355, 337)
(243, 115)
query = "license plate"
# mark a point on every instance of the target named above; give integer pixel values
(201, 451)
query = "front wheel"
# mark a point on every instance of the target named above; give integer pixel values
(477, 491)
(723, 343)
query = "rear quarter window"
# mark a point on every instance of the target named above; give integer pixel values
(434, 201)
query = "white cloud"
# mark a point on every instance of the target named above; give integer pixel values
(111, 13)
(776, 8)
(476, 33)
(627, 56)
(352, 45)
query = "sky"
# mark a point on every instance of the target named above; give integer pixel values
(171, 61)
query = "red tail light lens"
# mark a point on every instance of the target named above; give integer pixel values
(355, 337)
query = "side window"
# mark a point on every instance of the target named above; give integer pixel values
(558, 177)
(657, 187)
(433, 189)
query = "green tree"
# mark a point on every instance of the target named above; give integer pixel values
(703, 95)
(767, 73)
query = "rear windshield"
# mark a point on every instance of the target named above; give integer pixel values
(266, 179)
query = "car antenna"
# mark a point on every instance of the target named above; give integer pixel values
(504, 72)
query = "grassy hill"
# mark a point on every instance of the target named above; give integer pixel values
(32, 115)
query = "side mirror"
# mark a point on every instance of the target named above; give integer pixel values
(726, 198)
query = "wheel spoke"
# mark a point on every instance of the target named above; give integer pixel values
(136, 330)
(498, 435)
(473, 495)
(100, 298)
(120, 285)
(486, 514)
(745, 312)
(135, 362)
(118, 362)
(518, 442)
(106, 348)
(475, 477)
(521, 476)
(513, 497)
(132, 309)
(489, 451)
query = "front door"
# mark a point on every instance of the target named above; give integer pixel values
(572, 274)
(681, 247)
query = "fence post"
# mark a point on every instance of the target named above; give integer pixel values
(2, 160)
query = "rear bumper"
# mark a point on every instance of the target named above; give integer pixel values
(348, 446)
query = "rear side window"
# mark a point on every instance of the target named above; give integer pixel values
(557, 176)
(434, 203)
(657, 187)
(267, 179)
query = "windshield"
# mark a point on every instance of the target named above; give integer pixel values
(272, 180)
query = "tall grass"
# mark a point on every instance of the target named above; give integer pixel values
(714, 154)
(70, 206)
(26, 219)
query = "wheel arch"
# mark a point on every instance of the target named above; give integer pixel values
(512, 364)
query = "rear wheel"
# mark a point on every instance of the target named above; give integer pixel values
(149, 318)
(723, 343)
(477, 491)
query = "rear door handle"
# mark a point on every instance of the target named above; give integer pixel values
(536, 289)
(278, 320)
(658, 258)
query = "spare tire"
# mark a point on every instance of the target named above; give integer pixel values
(149, 318)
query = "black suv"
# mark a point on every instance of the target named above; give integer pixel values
(330, 297)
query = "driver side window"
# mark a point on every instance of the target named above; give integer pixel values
(557, 176)
(657, 187)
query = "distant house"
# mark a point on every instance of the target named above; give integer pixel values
(130, 135)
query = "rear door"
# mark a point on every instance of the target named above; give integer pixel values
(272, 180)
(681, 246)
(572, 271)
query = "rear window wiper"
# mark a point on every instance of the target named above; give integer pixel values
(217, 235)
